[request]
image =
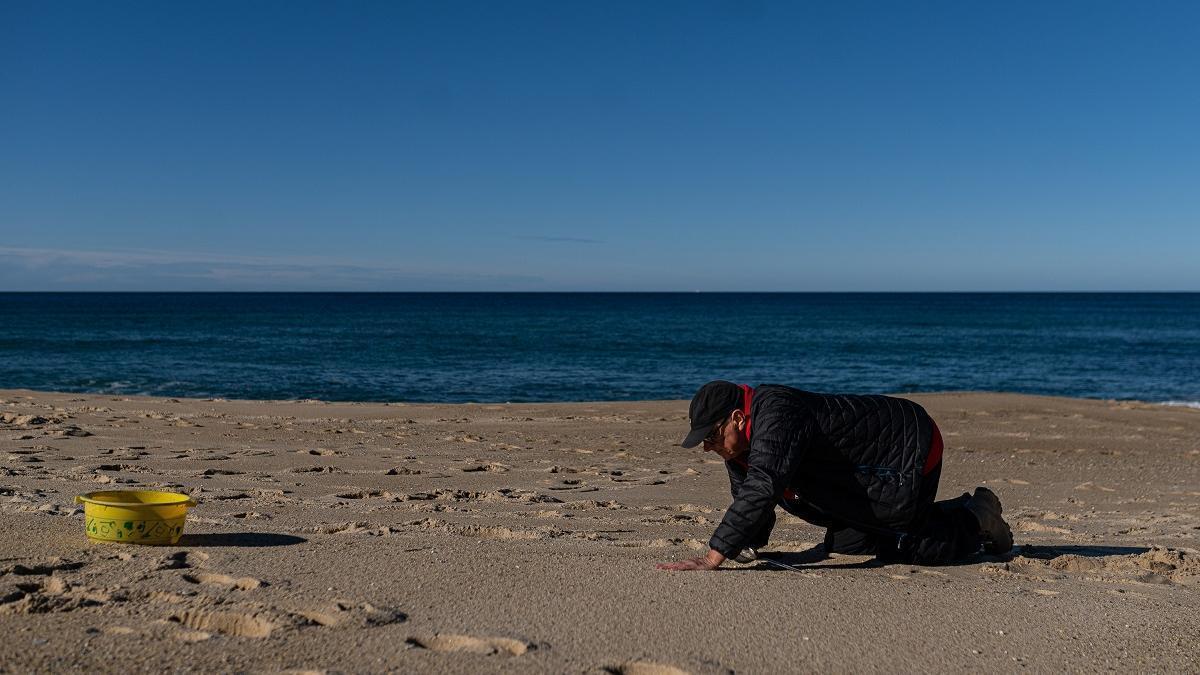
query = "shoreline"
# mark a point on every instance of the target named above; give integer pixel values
(489, 537)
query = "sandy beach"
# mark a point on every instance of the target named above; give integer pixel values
(341, 537)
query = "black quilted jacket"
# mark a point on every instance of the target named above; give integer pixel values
(851, 461)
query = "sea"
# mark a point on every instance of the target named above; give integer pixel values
(500, 347)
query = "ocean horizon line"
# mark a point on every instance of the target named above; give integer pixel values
(579, 292)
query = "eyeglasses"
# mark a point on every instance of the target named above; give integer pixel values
(714, 436)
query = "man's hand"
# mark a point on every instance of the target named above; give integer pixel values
(705, 562)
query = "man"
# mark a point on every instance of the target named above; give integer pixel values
(864, 467)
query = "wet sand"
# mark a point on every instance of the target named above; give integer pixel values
(343, 537)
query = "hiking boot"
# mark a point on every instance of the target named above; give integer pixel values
(985, 506)
(747, 555)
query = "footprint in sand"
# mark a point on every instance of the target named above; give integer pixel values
(343, 528)
(322, 452)
(180, 560)
(250, 515)
(40, 593)
(69, 431)
(28, 420)
(227, 495)
(315, 469)
(279, 497)
(493, 467)
(43, 568)
(238, 624)
(240, 583)
(1156, 566)
(573, 484)
(363, 614)
(220, 472)
(367, 494)
(643, 668)
(131, 468)
(487, 646)
(678, 518)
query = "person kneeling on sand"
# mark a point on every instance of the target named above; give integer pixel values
(864, 467)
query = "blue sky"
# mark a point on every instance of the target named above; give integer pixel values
(734, 146)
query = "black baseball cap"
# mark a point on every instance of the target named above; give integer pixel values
(710, 405)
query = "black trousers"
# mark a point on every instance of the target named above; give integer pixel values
(943, 532)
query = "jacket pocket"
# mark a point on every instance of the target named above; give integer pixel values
(885, 474)
(890, 492)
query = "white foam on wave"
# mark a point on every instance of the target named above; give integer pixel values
(1182, 404)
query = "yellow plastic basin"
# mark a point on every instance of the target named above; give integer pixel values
(134, 516)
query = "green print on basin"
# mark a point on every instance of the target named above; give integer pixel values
(143, 531)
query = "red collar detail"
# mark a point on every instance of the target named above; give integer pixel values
(747, 397)
(748, 392)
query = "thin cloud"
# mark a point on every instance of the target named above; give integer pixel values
(44, 256)
(558, 240)
(67, 269)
